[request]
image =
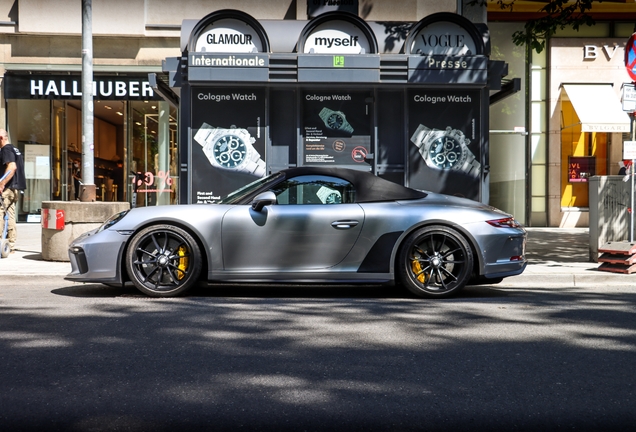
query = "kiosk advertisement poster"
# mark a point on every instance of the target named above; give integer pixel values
(228, 140)
(336, 128)
(444, 152)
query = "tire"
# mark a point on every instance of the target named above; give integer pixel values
(163, 261)
(435, 262)
(5, 248)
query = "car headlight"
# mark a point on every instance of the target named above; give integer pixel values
(112, 221)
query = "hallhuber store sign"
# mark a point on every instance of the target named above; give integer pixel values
(70, 87)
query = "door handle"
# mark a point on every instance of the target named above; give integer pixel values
(347, 224)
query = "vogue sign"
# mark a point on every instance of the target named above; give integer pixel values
(444, 38)
(70, 87)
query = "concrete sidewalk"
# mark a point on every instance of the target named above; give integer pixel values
(27, 258)
(555, 255)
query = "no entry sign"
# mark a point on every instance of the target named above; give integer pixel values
(630, 57)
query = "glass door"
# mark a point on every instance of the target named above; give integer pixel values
(152, 153)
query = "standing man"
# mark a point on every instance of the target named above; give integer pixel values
(11, 162)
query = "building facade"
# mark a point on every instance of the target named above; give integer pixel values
(571, 109)
(382, 104)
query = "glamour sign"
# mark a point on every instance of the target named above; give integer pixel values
(228, 36)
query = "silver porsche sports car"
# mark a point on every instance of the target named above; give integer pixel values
(306, 225)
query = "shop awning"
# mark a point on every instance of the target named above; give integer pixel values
(597, 107)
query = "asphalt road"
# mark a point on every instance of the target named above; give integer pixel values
(85, 357)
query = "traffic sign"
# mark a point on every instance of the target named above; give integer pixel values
(629, 97)
(629, 150)
(630, 57)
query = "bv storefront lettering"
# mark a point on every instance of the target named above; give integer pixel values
(592, 52)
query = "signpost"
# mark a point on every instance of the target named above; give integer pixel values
(629, 147)
(629, 152)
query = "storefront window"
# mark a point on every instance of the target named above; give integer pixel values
(108, 144)
(583, 154)
(139, 136)
(29, 127)
(152, 153)
(508, 161)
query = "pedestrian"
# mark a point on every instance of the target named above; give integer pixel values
(76, 173)
(12, 164)
(117, 174)
(625, 169)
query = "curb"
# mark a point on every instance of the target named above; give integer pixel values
(569, 279)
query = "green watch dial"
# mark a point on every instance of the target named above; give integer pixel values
(230, 151)
(333, 198)
(445, 152)
(335, 121)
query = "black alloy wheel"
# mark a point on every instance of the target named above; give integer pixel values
(163, 261)
(435, 261)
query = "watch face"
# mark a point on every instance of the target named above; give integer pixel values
(335, 121)
(333, 198)
(445, 152)
(229, 151)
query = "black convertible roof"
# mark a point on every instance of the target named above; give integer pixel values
(369, 188)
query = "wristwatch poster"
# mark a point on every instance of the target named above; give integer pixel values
(336, 128)
(446, 149)
(230, 149)
(335, 120)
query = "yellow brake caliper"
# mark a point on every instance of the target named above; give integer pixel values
(416, 266)
(183, 262)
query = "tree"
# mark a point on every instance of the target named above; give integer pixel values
(558, 14)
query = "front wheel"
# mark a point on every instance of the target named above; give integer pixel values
(163, 261)
(435, 261)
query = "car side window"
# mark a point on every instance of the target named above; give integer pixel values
(314, 189)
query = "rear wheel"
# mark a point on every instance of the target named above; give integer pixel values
(163, 261)
(435, 261)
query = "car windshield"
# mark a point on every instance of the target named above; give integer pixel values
(239, 194)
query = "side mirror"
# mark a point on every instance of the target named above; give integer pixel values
(263, 199)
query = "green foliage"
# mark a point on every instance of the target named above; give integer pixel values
(559, 14)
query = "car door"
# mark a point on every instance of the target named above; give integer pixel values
(313, 226)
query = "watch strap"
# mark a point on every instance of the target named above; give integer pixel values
(256, 168)
(471, 166)
(346, 127)
(324, 114)
(419, 136)
(254, 164)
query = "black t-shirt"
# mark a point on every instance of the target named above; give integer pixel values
(8, 154)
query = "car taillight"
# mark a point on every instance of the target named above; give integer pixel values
(504, 223)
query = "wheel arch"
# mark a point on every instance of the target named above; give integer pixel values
(178, 223)
(478, 261)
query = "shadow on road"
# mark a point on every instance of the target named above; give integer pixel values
(270, 291)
